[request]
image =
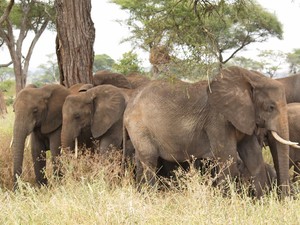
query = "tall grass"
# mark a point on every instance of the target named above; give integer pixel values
(94, 191)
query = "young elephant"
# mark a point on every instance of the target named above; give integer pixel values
(38, 111)
(96, 114)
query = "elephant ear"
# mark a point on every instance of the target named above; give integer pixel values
(109, 106)
(54, 95)
(85, 87)
(231, 94)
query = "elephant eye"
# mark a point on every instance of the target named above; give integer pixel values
(35, 110)
(270, 108)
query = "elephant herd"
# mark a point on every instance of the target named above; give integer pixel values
(226, 119)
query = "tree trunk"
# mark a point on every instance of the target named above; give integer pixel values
(3, 109)
(75, 40)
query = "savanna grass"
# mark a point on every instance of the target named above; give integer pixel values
(94, 190)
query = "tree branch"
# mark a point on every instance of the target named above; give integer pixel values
(6, 65)
(6, 12)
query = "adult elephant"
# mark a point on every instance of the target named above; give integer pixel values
(176, 121)
(291, 85)
(294, 132)
(38, 112)
(96, 114)
(102, 77)
(137, 80)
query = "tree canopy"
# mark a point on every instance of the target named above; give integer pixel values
(129, 63)
(293, 59)
(102, 62)
(26, 16)
(201, 31)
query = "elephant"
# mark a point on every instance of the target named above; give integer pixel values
(38, 112)
(107, 77)
(137, 80)
(294, 133)
(177, 121)
(291, 85)
(96, 114)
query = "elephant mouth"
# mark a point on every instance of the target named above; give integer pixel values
(283, 141)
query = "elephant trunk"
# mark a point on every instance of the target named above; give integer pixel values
(19, 137)
(67, 140)
(280, 154)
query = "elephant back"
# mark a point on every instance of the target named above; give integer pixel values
(137, 80)
(107, 77)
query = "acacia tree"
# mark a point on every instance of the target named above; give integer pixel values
(26, 16)
(293, 60)
(268, 62)
(6, 11)
(3, 109)
(102, 62)
(202, 31)
(74, 42)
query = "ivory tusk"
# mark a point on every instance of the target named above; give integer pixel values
(295, 146)
(76, 148)
(281, 140)
(11, 142)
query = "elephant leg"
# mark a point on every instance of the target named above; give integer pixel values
(38, 151)
(250, 152)
(223, 143)
(296, 172)
(145, 171)
(146, 161)
(55, 143)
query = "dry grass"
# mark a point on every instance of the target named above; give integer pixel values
(93, 191)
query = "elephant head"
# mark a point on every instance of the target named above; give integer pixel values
(106, 77)
(93, 112)
(35, 109)
(249, 100)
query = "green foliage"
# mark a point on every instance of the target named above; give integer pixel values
(47, 72)
(7, 87)
(102, 62)
(199, 32)
(34, 13)
(246, 63)
(129, 63)
(267, 62)
(271, 61)
(293, 60)
(6, 73)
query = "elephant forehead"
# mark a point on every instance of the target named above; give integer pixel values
(274, 92)
(28, 99)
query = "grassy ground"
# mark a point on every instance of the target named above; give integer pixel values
(92, 192)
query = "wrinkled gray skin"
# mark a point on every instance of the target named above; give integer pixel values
(137, 80)
(176, 121)
(292, 86)
(112, 137)
(96, 114)
(107, 77)
(294, 131)
(38, 111)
